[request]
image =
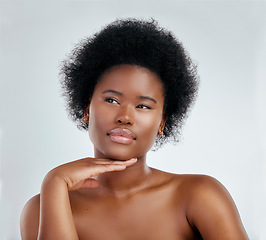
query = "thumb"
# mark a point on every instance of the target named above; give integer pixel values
(90, 183)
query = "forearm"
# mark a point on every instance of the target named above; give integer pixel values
(56, 219)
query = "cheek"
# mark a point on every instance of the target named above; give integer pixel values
(98, 118)
(149, 126)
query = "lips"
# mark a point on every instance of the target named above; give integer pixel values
(121, 135)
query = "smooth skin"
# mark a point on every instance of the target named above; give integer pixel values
(115, 195)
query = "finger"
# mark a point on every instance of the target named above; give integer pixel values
(102, 168)
(111, 161)
(128, 162)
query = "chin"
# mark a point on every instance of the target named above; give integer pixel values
(121, 152)
(121, 155)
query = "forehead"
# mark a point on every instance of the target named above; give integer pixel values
(131, 79)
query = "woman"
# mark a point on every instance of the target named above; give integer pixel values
(131, 86)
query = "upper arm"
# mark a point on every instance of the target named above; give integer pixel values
(213, 212)
(29, 220)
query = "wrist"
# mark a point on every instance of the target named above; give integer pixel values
(52, 179)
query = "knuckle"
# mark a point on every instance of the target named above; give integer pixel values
(107, 165)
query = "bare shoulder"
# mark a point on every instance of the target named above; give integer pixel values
(210, 208)
(29, 220)
(198, 185)
(203, 189)
(192, 183)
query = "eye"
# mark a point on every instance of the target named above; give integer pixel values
(142, 106)
(111, 100)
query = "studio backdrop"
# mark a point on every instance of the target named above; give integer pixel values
(224, 136)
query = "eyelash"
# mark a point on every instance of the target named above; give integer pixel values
(112, 100)
(145, 106)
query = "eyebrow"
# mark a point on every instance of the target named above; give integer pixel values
(121, 94)
(113, 91)
(148, 98)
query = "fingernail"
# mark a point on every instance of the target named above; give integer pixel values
(133, 159)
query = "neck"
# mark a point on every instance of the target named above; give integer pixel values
(127, 182)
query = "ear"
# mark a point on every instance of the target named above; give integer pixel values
(162, 124)
(87, 110)
(85, 118)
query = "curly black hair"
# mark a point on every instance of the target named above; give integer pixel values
(135, 42)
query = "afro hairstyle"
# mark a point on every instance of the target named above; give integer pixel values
(136, 42)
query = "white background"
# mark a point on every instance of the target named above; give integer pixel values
(225, 135)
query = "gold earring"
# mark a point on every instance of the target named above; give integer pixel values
(160, 132)
(85, 119)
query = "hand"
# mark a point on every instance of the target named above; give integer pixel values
(56, 219)
(78, 174)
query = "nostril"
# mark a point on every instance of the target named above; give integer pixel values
(124, 123)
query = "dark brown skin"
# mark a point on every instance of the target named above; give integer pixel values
(127, 199)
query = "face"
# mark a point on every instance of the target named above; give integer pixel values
(125, 112)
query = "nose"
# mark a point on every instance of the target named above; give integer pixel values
(125, 115)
